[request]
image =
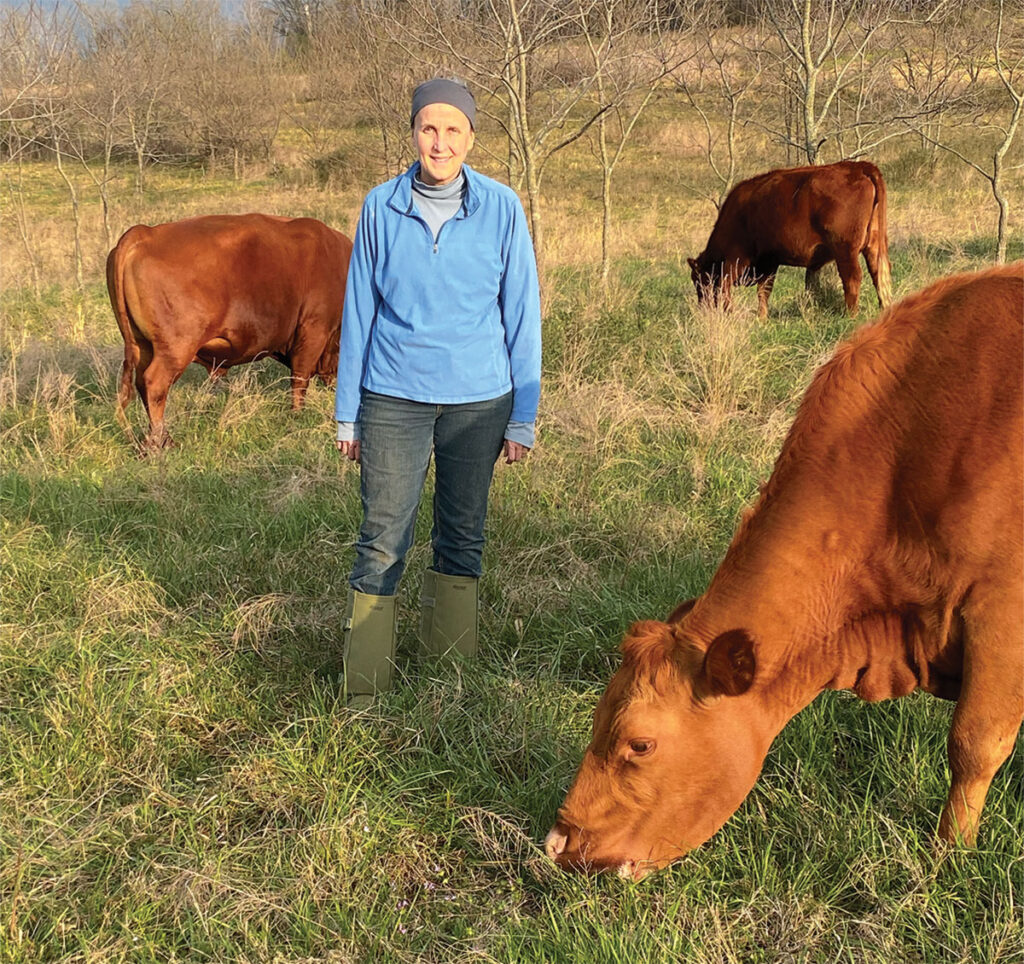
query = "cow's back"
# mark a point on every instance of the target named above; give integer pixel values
(960, 405)
(236, 255)
(789, 213)
(243, 282)
(921, 415)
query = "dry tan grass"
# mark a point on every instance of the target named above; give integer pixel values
(257, 617)
(52, 226)
(111, 599)
(660, 209)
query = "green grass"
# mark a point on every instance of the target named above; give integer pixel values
(178, 784)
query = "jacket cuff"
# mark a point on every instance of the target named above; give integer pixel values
(523, 433)
(348, 431)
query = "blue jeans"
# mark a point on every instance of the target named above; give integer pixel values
(396, 440)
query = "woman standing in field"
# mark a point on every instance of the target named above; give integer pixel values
(440, 350)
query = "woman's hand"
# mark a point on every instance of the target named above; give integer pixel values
(351, 449)
(514, 452)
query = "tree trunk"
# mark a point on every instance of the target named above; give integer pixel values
(1004, 217)
(140, 162)
(606, 203)
(533, 197)
(18, 205)
(810, 88)
(76, 215)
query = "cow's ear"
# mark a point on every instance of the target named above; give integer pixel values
(729, 664)
(681, 610)
(692, 262)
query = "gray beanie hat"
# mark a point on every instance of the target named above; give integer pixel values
(441, 91)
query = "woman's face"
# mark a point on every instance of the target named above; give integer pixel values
(442, 136)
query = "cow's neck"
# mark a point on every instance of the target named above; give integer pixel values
(799, 573)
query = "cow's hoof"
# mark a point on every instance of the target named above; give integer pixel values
(151, 446)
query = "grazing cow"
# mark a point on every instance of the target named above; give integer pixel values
(803, 216)
(224, 290)
(884, 554)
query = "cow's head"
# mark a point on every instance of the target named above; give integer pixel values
(676, 747)
(710, 280)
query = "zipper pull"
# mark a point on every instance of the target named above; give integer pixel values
(435, 247)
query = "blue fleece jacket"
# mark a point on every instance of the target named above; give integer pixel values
(444, 321)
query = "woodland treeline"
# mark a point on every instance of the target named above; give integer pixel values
(93, 87)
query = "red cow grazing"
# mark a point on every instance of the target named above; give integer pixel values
(221, 291)
(804, 216)
(884, 554)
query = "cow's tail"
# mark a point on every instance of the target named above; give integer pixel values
(879, 232)
(115, 289)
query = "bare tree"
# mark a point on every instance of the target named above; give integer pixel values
(96, 109)
(317, 107)
(64, 140)
(724, 79)
(37, 109)
(981, 90)
(226, 94)
(33, 39)
(298, 21)
(824, 52)
(33, 43)
(629, 52)
(386, 77)
(134, 54)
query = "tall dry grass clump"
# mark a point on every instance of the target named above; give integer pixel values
(723, 372)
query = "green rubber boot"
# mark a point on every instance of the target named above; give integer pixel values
(449, 614)
(369, 646)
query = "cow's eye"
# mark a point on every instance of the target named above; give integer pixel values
(641, 747)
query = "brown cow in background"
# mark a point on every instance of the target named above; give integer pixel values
(884, 554)
(803, 216)
(221, 291)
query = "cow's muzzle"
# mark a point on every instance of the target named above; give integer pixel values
(565, 845)
(556, 841)
(568, 847)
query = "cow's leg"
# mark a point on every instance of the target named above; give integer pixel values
(812, 281)
(300, 382)
(303, 364)
(764, 292)
(989, 711)
(143, 363)
(723, 297)
(848, 263)
(878, 268)
(153, 385)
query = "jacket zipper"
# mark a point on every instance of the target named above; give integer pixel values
(426, 227)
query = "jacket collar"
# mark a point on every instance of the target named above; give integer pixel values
(401, 197)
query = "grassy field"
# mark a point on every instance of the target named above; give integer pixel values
(176, 782)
